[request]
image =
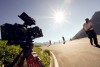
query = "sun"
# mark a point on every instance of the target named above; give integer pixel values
(59, 16)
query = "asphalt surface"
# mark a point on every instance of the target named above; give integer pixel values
(77, 53)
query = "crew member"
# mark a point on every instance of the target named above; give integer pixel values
(88, 27)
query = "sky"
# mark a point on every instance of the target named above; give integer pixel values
(43, 11)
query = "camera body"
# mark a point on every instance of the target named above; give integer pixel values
(19, 33)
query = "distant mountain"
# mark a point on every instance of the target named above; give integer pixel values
(96, 24)
(42, 44)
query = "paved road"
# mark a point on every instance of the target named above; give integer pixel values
(77, 53)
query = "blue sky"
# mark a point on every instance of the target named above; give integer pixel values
(43, 10)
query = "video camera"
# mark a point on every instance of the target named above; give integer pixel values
(19, 33)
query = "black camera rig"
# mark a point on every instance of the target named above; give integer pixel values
(18, 33)
(21, 34)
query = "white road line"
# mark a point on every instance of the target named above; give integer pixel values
(55, 60)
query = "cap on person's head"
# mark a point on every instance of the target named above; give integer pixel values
(87, 19)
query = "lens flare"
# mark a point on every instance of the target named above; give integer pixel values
(59, 17)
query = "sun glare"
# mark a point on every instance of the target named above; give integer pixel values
(59, 16)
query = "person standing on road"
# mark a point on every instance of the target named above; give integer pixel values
(63, 40)
(88, 27)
